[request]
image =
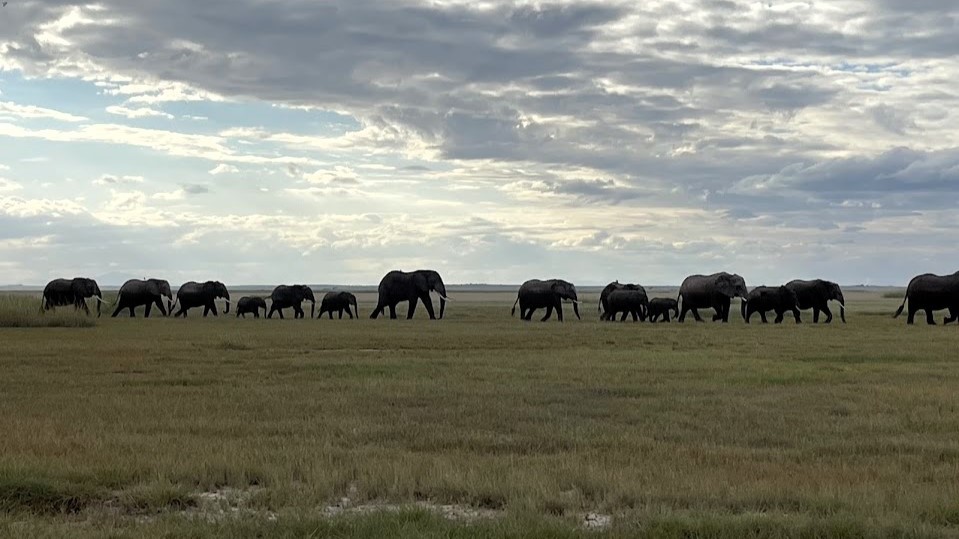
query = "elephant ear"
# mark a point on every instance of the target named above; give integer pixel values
(421, 282)
(725, 285)
(154, 287)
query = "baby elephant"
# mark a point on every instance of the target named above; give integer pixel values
(661, 307)
(628, 302)
(249, 304)
(338, 301)
(769, 298)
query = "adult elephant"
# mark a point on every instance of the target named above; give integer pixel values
(705, 291)
(929, 292)
(536, 294)
(816, 295)
(149, 292)
(629, 301)
(338, 301)
(770, 298)
(603, 305)
(285, 296)
(193, 294)
(398, 286)
(62, 292)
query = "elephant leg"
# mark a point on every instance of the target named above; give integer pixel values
(779, 317)
(696, 315)
(428, 303)
(393, 312)
(83, 303)
(349, 311)
(329, 314)
(796, 315)
(749, 313)
(529, 314)
(828, 313)
(272, 310)
(377, 311)
(341, 314)
(622, 317)
(682, 315)
(559, 310)
(411, 309)
(929, 319)
(117, 311)
(815, 315)
(159, 302)
(549, 312)
(911, 318)
(636, 314)
(133, 313)
(762, 315)
(146, 311)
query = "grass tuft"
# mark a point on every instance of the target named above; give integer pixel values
(42, 497)
(23, 311)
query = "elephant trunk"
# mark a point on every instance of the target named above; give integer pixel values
(312, 309)
(227, 310)
(441, 290)
(576, 309)
(742, 308)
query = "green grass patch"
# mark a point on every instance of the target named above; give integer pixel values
(23, 311)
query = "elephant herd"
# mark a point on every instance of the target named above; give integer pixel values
(395, 287)
(926, 292)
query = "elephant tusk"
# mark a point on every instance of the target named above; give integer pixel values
(101, 300)
(444, 297)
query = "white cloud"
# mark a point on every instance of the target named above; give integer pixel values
(223, 168)
(30, 112)
(109, 179)
(141, 112)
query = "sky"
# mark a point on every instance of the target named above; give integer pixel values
(281, 141)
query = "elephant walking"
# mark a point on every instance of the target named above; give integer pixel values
(816, 295)
(62, 292)
(660, 307)
(250, 304)
(929, 292)
(398, 286)
(149, 292)
(768, 298)
(629, 301)
(285, 296)
(603, 305)
(536, 294)
(194, 294)
(338, 301)
(705, 291)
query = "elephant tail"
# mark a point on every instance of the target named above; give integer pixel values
(512, 311)
(898, 311)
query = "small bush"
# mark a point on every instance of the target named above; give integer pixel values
(23, 311)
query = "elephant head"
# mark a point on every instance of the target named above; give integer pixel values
(566, 290)
(216, 289)
(161, 287)
(87, 288)
(301, 293)
(834, 292)
(427, 281)
(731, 285)
(351, 299)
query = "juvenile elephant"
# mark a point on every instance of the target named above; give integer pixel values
(399, 286)
(704, 291)
(629, 301)
(816, 295)
(660, 307)
(285, 296)
(149, 292)
(536, 294)
(603, 305)
(193, 294)
(768, 298)
(62, 292)
(929, 292)
(338, 301)
(250, 304)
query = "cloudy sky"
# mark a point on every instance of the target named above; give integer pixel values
(269, 141)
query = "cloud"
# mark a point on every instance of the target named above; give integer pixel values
(30, 112)
(109, 179)
(195, 189)
(136, 113)
(223, 168)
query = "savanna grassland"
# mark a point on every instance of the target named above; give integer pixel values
(479, 426)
